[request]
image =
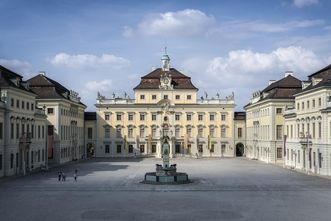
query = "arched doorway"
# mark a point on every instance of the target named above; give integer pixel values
(240, 150)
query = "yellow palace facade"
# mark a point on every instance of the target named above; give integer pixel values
(132, 127)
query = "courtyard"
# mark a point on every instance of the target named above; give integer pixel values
(221, 189)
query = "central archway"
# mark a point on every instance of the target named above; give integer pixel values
(240, 150)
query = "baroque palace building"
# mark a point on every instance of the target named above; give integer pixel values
(22, 126)
(65, 119)
(198, 127)
(308, 125)
(265, 120)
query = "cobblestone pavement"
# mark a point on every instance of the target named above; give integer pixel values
(222, 189)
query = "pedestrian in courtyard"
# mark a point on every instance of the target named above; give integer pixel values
(63, 177)
(75, 175)
(60, 175)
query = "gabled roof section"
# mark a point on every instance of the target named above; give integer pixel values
(152, 80)
(41, 80)
(323, 73)
(47, 88)
(289, 82)
(9, 78)
(325, 79)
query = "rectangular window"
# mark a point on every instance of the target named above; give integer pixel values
(32, 106)
(142, 116)
(107, 132)
(130, 116)
(154, 132)
(200, 117)
(223, 132)
(106, 116)
(177, 148)
(130, 148)
(12, 102)
(313, 103)
(212, 117)
(119, 148)
(302, 105)
(142, 97)
(165, 96)
(188, 117)
(12, 160)
(153, 116)
(142, 148)
(50, 110)
(279, 132)
(200, 148)
(1, 130)
(298, 156)
(223, 117)
(313, 133)
(177, 97)
(189, 132)
(307, 104)
(89, 133)
(291, 131)
(212, 132)
(177, 132)
(279, 153)
(177, 117)
(43, 132)
(118, 116)
(38, 131)
(32, 131)
(130, 132)
(319, 130)
(142, 132)
(18, 103)
(188, 97)
(212, 147)
(27, 105)
(279, 110)
(153, 148)
(153, 97)
(118, 132)
(0, 161)
(200, 132)
(12, 131)
(107, 149)
(240, 133)
(319, 102)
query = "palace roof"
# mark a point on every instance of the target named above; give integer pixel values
(47, 88)
(178, 80)
(9, 78)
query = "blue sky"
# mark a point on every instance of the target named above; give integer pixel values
(107, 46)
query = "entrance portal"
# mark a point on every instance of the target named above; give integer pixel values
(240, 150)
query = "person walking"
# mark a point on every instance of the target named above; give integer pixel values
(63, 177)
(60, 175)
(75, 175)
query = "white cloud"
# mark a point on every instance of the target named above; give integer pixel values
(192, 22)
(245, 66)
(188, 22)
(104, 85)
(244, 71)
(89, 61)
(21, 67)
(303, 3)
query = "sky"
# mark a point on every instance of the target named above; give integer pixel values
(224, 46)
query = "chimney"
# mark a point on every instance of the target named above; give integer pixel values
(43, 73)
(272, 81)
(287, 73)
